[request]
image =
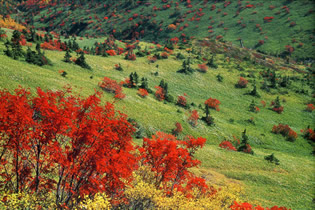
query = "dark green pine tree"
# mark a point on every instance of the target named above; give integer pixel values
(211, 63)
(131, 79)
(17, 50)
(81, 61)
(272, 159)
(144, 83)
(208, 118)
(136, 78)
(29, 57)
(254, 92)
(252, 106)
(277, 103)
(244, 146)
(38, 49)
(8, 50)
(67, 57)
(273, 80)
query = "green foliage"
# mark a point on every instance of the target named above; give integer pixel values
(211, 63)
(272, 159)
(254, 92)
(81, 62)
(251, 171)
(186, 67)
(36, 58)
(67, 57)
(244, 146)
(220, 78)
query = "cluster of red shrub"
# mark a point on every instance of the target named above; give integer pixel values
(242, 82)
(181, 101)
(53, 45)
(111, 52)
(309, 107)
(63, 144)
(193, 119)
(112, 86)
(159, 94)
(203, 67)
(279, 110)
(268, 19)
(248, 206)
(308, 134)
(285, 131)
(227, 145)
(213, 103)
(178, 129)
(143, 92)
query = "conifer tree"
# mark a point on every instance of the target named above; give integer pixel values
(81, 61)
(67, 57)
(17, 50)
(244, 146)
(29, 57)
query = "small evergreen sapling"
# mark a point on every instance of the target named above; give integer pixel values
(67, 57)
(81, 61)
(186, 68)
(220, 78)
(244, 146)
(253, 107)
(277, 106)
(272, 159)
(254, 92)
(208, 119)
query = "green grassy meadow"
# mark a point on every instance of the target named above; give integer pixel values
(289, 184)
(232, 21)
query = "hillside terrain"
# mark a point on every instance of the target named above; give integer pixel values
(271, 27)
(189, 81)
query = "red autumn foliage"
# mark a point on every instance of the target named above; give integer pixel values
(203, 67)
(289, 49)
(53, 45)
(308, 134)
(182, 101)
(309, 107)
(279, 110)
(268, 19)
(159, 94)
(248, 206)
(63, 144)
(242, 83)
(143, 92)
(227, 145)
(285, 131)
(112, 86)
(219, 37)
(170, 158)
(261, 42)
(213, 103)
(193, 119)
(111, 52)
(178, 129)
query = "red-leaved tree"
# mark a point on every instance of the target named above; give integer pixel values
(55, 142)
(170, 158)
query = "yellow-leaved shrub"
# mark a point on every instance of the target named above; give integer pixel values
(143, 194)
(26, 201)
(99, 202)
(8, 22)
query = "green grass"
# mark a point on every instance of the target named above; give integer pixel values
(290, 184)
(278, 32)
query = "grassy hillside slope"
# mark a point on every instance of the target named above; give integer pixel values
(290, 184)
(292, 23)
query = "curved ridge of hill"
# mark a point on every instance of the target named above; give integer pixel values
(282, 28)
